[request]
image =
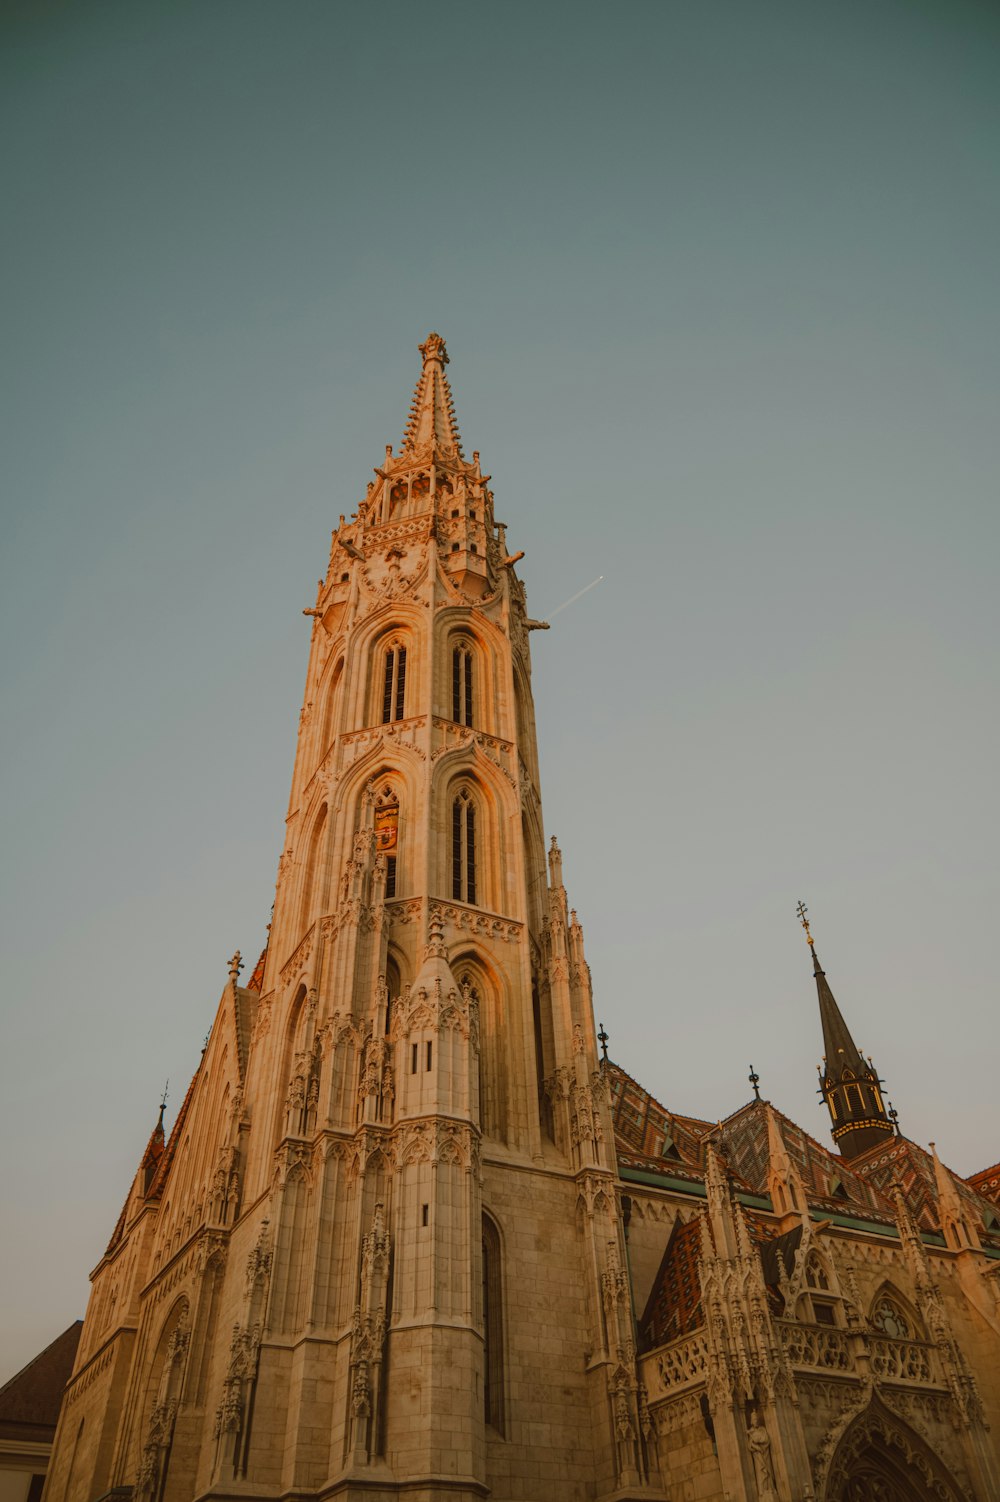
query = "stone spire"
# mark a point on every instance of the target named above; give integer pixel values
(432, 422)
(784, 1182)
(956, 1226)
(849, 1083)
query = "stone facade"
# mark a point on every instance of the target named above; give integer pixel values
(402, 1234)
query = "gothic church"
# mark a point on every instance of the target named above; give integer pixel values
(412, 1236)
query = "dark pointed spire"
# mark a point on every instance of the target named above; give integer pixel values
(839, 1048)
(848, 1082)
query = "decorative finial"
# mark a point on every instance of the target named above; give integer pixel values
(235, 966)
(754, 1079)
(602, 1038)
(434, 948)
(433, 349)
(893, 1116)
(163, 1101)
(802, 911)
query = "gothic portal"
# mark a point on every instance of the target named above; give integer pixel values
(411, 1236)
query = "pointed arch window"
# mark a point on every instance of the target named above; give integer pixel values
(888, 1317)
(461, 684)
(493, 1393)
(463, 848)
(394, 683)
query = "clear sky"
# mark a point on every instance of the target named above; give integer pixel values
(718, 282)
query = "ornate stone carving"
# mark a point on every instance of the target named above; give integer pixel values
(259, 1260)
(299, 956)
(481, 925)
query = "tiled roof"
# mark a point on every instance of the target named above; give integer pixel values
(160, 1163)
(674, 1304)
(987, 1183)
(163, 1167)
(911, 1166)
(29, 1402)
(256, 980)
(829, 1182)
(644, 1126)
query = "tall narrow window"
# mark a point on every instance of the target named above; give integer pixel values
(463, 848)
(461, 686)
(492, 1328)
(394, 685)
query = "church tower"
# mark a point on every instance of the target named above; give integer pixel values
(382, 1252)
(849, 1083)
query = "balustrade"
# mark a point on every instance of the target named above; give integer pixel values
(683, 1361)
(815, 1346)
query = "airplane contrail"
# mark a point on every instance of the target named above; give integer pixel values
(573, 598)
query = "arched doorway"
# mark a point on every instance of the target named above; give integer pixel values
(881, 1459)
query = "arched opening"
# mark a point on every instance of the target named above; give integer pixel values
(298, 1083)
(327, 724)
(162, 1400)
(310, 885)
(881, 1459)
(464, 887)
(287, 1315)
(391, 661)
(475, 977)
(461, 681)
(393, 988)
(891, 1314)
(493, 1344)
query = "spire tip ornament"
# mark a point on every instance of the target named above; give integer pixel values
(803, 913)
(433, 348)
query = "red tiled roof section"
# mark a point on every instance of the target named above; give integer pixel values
(163, 1167)
(986, 1183)
(674, 1304)
(29, 1402)
(909, 1165)
(829, 1182)
(643, 1126)
(256, 980)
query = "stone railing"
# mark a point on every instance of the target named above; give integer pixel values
(815, 1346)
(677, 1365)
(900, 1360)
(671, 1369)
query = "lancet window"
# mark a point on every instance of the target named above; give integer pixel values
(463, 847)
(461, 684)
(493, 1393)
(394, 683)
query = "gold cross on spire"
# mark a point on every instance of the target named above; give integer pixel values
(803, 911)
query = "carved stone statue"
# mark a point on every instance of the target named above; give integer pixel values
(760, 1451)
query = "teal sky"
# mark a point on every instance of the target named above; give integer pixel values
(719, 287)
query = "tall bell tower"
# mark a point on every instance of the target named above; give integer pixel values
(383, 1252)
